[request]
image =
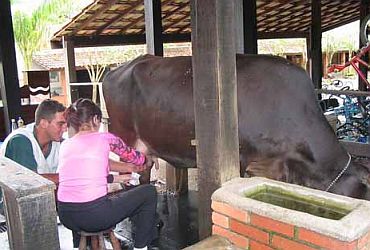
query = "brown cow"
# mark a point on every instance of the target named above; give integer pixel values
(282, 132)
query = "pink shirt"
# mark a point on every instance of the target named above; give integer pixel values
(84, 165)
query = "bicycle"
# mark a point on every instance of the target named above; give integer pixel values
(356, 60)
(356, 113)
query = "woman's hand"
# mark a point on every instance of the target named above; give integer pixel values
(149, 162)
(121, 178)
(122, 167)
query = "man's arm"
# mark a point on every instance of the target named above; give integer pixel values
(19, 149)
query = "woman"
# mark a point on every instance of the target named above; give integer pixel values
(83, 203)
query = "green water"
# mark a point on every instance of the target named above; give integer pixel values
(281, 198)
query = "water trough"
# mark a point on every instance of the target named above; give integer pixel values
(258, 213)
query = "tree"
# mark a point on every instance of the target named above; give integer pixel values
(330, 46)
(32, 31)
(98, 60)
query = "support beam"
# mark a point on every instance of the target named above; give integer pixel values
(215, 100)
(153, 27)
(95, 41)
(364, 11)
(276, 35)
(9, 84)
(315, 49)
(111, 40)
(70, 66)
(250, 26)
(176, 179)
(308, 52)
(239, 27)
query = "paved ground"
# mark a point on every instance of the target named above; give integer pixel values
(179, 216)
(65, 239)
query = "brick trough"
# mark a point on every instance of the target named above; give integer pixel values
(252, 224)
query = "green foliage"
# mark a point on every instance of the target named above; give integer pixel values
(334, 42)
(32, 31)
(27, 33)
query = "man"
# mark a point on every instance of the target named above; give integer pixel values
(36, 146)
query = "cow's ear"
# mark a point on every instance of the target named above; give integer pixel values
(274, 168)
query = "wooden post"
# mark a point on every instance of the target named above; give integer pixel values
(246, 26)
(315, 43)
(308, 51)
(70, 66)
(176, 179)
(29, 208)
(239, 27)
(250, 26)
(153, 27)
(215, 99)
(364, 11)
(9, 84)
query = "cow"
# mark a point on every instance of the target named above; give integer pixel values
(283, 134)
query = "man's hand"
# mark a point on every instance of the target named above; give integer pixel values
(52, 177)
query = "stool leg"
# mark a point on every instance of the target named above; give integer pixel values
(101, 242)
(114, 241)
(95, 242)
(82, 245)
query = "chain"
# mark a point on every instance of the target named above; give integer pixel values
(341, 173)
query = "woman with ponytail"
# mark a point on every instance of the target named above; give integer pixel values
(84, 166)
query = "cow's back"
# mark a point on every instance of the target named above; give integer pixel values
(279, 119)
(150, 99)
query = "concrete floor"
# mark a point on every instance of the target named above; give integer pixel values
(179, 215)
(65, 239)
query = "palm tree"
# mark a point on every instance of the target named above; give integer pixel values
(31, 31)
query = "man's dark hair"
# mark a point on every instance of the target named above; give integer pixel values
(47, 110)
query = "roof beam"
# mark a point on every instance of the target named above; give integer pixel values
(92, 41)
(81, 41)
(278, 35)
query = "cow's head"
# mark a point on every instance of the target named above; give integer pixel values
(355, 181)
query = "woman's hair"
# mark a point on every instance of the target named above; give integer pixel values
(81, 112)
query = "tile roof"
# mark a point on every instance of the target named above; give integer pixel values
(54, 59)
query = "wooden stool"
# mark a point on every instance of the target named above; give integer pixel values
(97, 240)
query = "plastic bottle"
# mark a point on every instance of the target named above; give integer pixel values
(20, 122)
(14, 125)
